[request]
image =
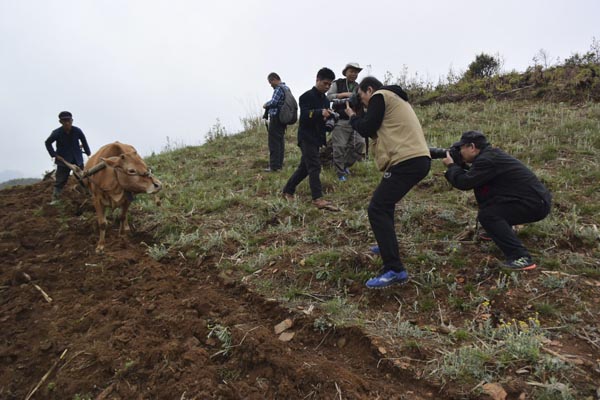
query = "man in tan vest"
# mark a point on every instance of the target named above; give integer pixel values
(402, 154)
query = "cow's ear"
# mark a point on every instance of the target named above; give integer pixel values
(111, 161)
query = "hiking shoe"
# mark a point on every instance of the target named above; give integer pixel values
(288, 196)
(323, 204)
(387, 279)
(521, 264)
(483, 235)
(375, 250)
(342, 178)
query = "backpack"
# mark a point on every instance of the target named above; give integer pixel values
(288, 113)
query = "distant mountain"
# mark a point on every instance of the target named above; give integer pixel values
(10, 174)
(19, 181)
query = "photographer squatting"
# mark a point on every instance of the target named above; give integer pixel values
(507, 193)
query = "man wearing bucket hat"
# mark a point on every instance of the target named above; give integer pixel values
(69, 142)
(507, 193)
(348, 146)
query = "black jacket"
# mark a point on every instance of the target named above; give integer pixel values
(311, 127)
(497, 177)
(67, 145)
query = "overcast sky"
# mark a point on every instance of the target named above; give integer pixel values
(144, 71)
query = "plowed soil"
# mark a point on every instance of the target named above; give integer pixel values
(129, 327)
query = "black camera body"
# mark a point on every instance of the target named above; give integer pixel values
(438, 152)
(331, 121)
(340, 104)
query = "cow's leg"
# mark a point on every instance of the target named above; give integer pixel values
(124, 225)
(101, 216)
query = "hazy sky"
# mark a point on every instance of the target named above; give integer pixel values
(144, 71)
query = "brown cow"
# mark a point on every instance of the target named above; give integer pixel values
(114, 186)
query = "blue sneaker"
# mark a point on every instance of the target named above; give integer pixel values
(387, 279)
(342, 178)
(374, 250)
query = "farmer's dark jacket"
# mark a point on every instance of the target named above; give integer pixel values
(497, 177)
(67, 145)
(311, 126)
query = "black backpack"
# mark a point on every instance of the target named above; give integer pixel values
(288, 113)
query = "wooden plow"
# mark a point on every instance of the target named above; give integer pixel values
(79, 174)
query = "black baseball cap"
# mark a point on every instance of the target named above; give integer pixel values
(65, 115)
(471, 137)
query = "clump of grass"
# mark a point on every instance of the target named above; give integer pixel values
(223, 334)
(510, 344)
(322, 324)
(546, 309)
(157, 251)
(341, 312)
(554, 281)
(467, 364)
(405, 329)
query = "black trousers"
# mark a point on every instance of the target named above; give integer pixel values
(395, 184)
(62, 176)
(276, 143)
(310, 165)
(498, 219)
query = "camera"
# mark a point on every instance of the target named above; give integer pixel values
(331, 121)
(438, 152)
(340, 104)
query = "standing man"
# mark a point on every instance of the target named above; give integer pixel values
(68, 139)
(314, 110)
(276, 130)
(348, 146)
(402, 154)
(507, 193)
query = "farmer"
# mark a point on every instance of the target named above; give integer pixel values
(401, 153)
(507, 193)
(70, 140)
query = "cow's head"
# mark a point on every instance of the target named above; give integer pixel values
(132, 173)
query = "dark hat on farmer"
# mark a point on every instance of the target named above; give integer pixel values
(65, 115)
(351, 65)
(471, 137)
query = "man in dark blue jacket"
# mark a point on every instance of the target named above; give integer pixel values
(314, 111)
(68, 139)
(507, 192)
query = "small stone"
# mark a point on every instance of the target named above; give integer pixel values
(283, 326)
(46, 345)
(495, 391)
(286, 336)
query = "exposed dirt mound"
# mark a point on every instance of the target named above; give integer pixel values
(129, 327)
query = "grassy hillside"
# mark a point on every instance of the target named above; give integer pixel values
(571, 83)
(461, 320)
